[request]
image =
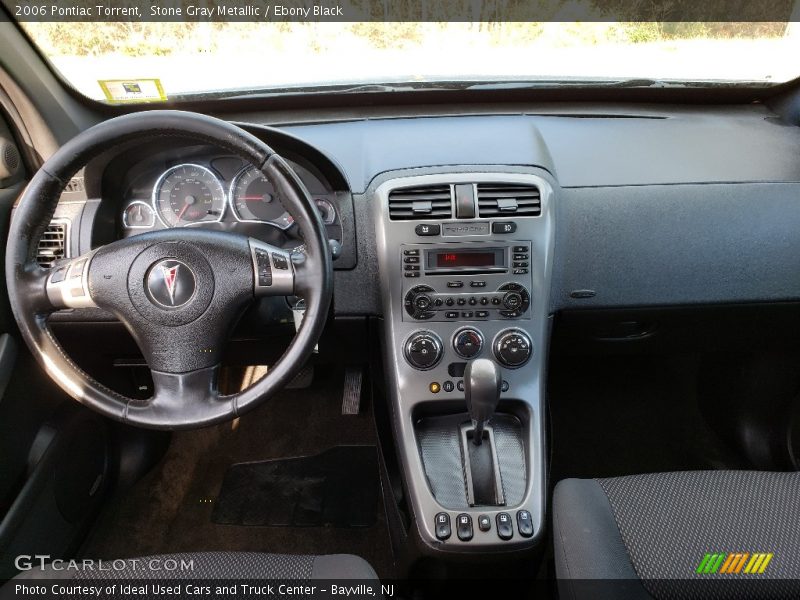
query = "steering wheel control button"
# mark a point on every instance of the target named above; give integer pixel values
(468, 342)
(505, 527)
(484, 523)
(423, 350)
(59, 275)
(504, 227)
(280, 261)
(464, 527)
(170, 283)
(76, 270)
(427, 229)
(524, 523)
(512, 348)
(443, 530)
(264, 268)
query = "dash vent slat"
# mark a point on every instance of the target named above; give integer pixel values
(508, 199)
(421, 202)
(52, 245)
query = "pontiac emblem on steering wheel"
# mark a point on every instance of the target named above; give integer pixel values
(170, 283)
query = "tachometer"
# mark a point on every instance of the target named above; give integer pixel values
(188, 194)
(253, 198)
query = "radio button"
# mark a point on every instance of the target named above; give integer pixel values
(455, 284)
(496, 301)
(451, 314)
(481, 314)
(520, 264)
(412, 274)
(473, 301)
(484, 301)
(520, 248)
(521, 256)
(449, 302)
(422, 302)
(425, 229)
(461, 301)
(478, 284)
(414, 252)
(512, 300)
(467, 315)
(520, 271)
(411, 260)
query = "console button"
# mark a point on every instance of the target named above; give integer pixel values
(524, 523)
(425, 229)
(448, 386)
(512, 300)
(464, 527)
(442, 526)
(484, 523)
(460, 385)
(423, 350)
(505, 527)
(504, 386)
(422, 302)
(512, 348)
(504, 227)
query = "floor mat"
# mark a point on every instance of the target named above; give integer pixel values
(337, 488)
(170, 510)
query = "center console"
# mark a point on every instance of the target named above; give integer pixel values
(465, 261)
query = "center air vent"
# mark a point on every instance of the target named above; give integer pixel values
(52, 245)
(421, 202)
(508, 199)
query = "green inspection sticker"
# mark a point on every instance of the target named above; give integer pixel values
(125, 91)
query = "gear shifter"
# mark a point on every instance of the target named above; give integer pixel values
(482, 384)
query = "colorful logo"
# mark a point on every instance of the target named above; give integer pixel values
(734, 563)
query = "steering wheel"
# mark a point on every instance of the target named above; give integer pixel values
(179, 292)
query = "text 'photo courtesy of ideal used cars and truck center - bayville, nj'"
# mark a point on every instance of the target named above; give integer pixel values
(401, 299)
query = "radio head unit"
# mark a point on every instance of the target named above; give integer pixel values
(465, 260)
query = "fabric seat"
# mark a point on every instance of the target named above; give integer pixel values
(212, 565)
(703, 534)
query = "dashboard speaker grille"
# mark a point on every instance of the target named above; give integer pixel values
(52, 245)
(507, 199)
(421, 202)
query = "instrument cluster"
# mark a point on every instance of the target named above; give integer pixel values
(214, 191)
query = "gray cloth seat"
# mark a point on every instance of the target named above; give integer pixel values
(648, 536)
(211, 565)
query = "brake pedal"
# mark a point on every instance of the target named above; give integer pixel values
(351, 398)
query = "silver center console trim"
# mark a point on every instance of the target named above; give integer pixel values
(410, 388)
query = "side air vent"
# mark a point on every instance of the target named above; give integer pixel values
(421, 202)
(52, 245)
(508, 199)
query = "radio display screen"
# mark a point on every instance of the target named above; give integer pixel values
(465, 259)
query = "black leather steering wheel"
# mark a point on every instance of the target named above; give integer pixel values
(178, 291)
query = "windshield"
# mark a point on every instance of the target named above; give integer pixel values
(184, 60)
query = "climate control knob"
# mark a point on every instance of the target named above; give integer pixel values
(423, 350)
(512, 348)
(468, 342)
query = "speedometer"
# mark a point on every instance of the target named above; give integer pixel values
(253, 198)
(188, 194)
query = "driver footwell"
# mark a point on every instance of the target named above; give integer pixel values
(174, 507)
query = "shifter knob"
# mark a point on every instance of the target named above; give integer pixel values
(482, 384)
